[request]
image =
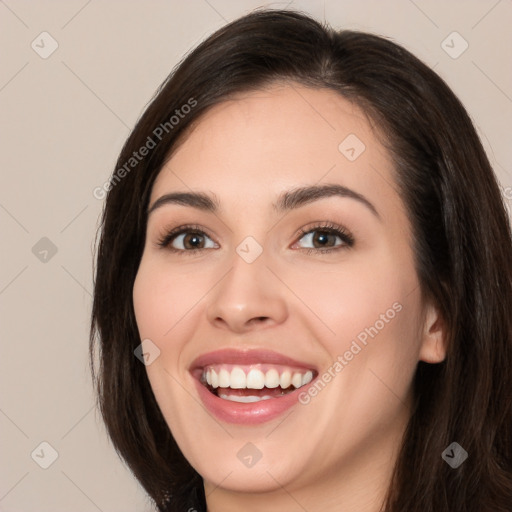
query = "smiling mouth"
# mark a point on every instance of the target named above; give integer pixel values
(253, 383)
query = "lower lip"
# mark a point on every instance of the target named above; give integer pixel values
(246, 413)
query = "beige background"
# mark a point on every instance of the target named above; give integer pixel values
(63, 121)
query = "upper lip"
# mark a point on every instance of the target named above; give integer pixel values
(246, 357)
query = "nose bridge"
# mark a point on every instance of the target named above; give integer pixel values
(248, 292)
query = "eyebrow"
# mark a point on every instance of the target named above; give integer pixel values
(289, 200)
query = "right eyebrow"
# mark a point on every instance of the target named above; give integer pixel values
(197, 200)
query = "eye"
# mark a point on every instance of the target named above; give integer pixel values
(324, 237)
(186, 239)
(190, 239)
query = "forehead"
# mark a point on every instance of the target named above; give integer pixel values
(258, 143)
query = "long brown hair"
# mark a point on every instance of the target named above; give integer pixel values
(462, 246)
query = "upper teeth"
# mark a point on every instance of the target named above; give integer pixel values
(253, 378)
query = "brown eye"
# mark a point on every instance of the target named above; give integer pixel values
(324, 239)
(193, 241)
(328, 237)
(186, 239)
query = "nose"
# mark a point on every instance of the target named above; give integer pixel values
(248, 297)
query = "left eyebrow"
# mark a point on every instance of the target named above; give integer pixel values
(289, 200)
(298, 197)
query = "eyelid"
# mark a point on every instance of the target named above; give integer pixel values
(326, 226)
(170, 234)
(340, 231)
(331, 228)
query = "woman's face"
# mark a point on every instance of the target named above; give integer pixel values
(275, 287)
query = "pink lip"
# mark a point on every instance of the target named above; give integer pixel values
(246, 357)
(246, 413)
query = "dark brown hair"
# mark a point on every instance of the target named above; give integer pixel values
(462, 246)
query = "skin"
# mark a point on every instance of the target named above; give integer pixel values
(336, 452)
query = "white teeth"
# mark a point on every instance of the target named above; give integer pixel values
(224, 378)
(215, 379)
(307, 378)
(238, 379)
(272, 379)
(255, 378)
(286, 379)
(297, 380)
(243, 399)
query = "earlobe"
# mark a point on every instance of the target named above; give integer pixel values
(433, 347)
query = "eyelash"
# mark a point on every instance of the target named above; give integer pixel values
(332, 229)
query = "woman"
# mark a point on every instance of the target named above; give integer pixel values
(305, 244)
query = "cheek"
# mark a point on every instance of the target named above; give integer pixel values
(161, 297)
(360, 299)
(163, 300)
(370, 328)
(373, 350)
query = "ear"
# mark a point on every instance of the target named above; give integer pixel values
(433, 346)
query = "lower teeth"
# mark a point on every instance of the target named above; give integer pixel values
(244, 399)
